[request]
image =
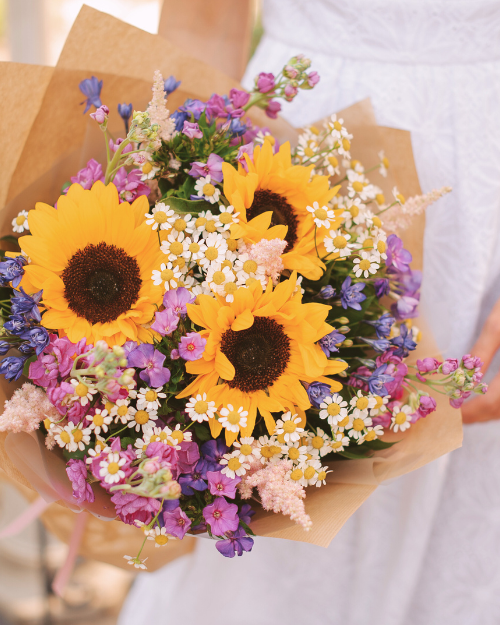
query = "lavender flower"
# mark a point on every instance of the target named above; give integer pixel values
(236, 542)
(317, 391)
(12, 270)
(351, 296)
(221, 485)
(221, 516)
(383, 325)
(165, 322)
(192, 130)
(212, 167)
(329, 342)
(397, 257)
(246, 513)
(176, 522)
(77, 473)
(382, 287)
(403, 342)
(150, 360)
(91, 89)
(177, 300)
(192, 346)
(170, 84)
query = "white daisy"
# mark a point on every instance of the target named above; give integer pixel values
(270, 449)
(296, 452)
(195, 250)
(321, 215)
(333, 408)
(100, 448)
(176, 244)
(233, 419)
(247, 449)
(289, 426)
(136, 562)
(200, 409)
(181, 223)
(227, 216)
(83, 391)
(233, 466)
(363, 402)
(168, 275)
(320, 476)
(110, 468)
(159, 535)
(358, 424)
(142, 419)
(365, 265)
(320, 442)
(159, 217)
(332, 167)
(207, 223)
(339, 442)
(179, 435)
(121, 411)
(20, 223)
(218, 277)
(205, 189)
(161, 435)
(100, 421)
(397, 196)
(216, 248)
(149, 399)
(401, 418)
(337, 242)
(310, 470)
(380, 405)
(374, 432)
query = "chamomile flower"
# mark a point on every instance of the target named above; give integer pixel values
(168, 275)
(233, 419)
(365, 265)
(161, 435)
(310, 470)
(159, 535)
(322, 215)
(320, 442)
(401, 418)
(363, 402)
(247, 449)
(181, 223)
(270, 449)
(218, 277)
(397, 196)
(121, 411)
(159, 217)
(332, 167)
(200, 409)
(110, 468)
(358, 424)
(149, 399)
(142, 419)
(20, 223)
(179, 435)
(207, 223)
(289, 426)
(83, 391)
(384, 164)
(338, 242)
(233, 466)
(227, 216)
(141, 444)
(320, 476)
(216, 248)
(374, 432)
(339, 442)
(100, 421)
(380, 405)
(195, 250)
(333, 408)
(247, 269)
(175, 245)
(136, 562)
(206, 190)
(296, 452)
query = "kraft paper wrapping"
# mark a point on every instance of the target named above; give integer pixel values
(53, 140)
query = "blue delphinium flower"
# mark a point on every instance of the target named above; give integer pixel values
(236, 542)
(381, 287)
(24, 304)
(12, 367)
(382, 325)
(170, 84)
(403, 342)
(237, 127)
(329, 342)
(377, 381)
(380, 345)
(37, 338)
(125, 111)
(16, 325)
(12, 270)
(317, 391)
(4, 347)
(91, 89)
(327, 292)
(351, 296)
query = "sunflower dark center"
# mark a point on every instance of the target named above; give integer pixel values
(283, 213)
(101, 282)
(259, 354)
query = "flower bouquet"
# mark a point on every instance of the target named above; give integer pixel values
(205, 321)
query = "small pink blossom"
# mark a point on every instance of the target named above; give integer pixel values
(192, 130)
(192, 346)
(101, 114)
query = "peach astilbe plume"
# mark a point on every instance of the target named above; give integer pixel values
(277, 492)
(400, 217)
(25, 409)
(157, 109)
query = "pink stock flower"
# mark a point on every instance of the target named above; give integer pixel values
(427, 405)
(427, 364)
(101, 114)
(192, 130)
(313, 79)
(114, 146)
(265, 82)
(472, 362)
(273, 108)
(25, 409)
(56, 360)
(129, 184)
(290, 92)
(192, 346)
(77, 473)
(245, 149)
(238, 99)
(449, 366)
(58, 396)
(130, 507)
(89, 174)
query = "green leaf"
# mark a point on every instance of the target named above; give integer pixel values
(352, 456)
(26, 367)
(126, 441)
(194, 207)
(9, 238)
(179, 417)
(202, 433)
(378, 444)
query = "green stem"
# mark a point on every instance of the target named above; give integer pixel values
(115, 160)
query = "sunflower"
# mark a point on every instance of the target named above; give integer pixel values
(259, 349)
(274, 187)
(94, 258)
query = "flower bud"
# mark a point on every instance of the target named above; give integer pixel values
(342, 320)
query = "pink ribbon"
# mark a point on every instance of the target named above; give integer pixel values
(30, 514)
(64, 573)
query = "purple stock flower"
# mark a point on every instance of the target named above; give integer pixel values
(12, 270)
(176, 522)
(427, 364)
(382, 325)
(273, 108)
(170, 84)
(12, 368)
(216, 107)
(265, 82)
(150, 360)
(166, 322)
(381, 287)
(449, 366)
(426, 406)
(329, 343)
(192, 346)
(236, 542)
(238, 99)
(245, 149)
(129, 185)
(77, 473)
(397, 257)
(188, 456)
(177, 300)
(378, 380)
(91, 89)
(221, 516)
(212, 167)
(130, 507)
(404, 342)
(101, 114)
(246, 513)
(90, 174)
(317, 391)
(222, 485)
(313, 79)
(192, 130)
(24, 304)
(351, 296)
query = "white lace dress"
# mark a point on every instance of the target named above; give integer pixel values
(424, 549)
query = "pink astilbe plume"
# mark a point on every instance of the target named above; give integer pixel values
(267, 254)
(27, 407)
(277, 492)
(157, 109)
(400, 217)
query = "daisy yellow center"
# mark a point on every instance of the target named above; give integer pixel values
(233, 417)
(358, 425)
(321, 214)
(178, 436)
(337, 125)
(380, 199)
(317, 442)
(275, 450)
(381, 246)
(160, 217)
(344, 422)
(234, 464)
(163, 436)
(354, 210)
(333, 409)
(81, 390)
(194, 248)
(370, 435)
(146, 168)
(180, 225)
(364, 264)
(179, 262)
(309, 473)
(250, 281)
(401, 198)
(246, 450)
(266, 451)
(379, 401)
(208, 189)
(20, 219)
(368, 243)
(314, 130)
(232, 244)
(167, 274)
(200, 222)
(151, 396)
(154, 438)
(227, 263)
(225, 218)
(250, 266)
(321, 476)
(296, 475)
(346, 144)
(201, 407)
(176, 248)
(336, 444)
(333, 161)
(109, 406)
(400, 418)
(65, 437)
(230, 287)
(141, 417)
(161, 539)
(210, 226)
(122, 411)
(98, 420)
(358, 186)
(289, 427)
(340, 242)
(293, 453)
(377, 222)
(211, 253)
(113, 468)
(362, 403)
(281, 438)
(218, 277)
(308, 151)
